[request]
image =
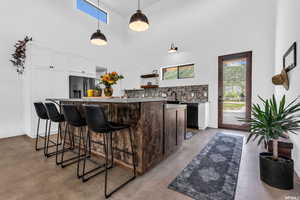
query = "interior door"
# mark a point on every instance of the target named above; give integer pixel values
(235, 80)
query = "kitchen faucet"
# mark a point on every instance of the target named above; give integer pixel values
(175, 93)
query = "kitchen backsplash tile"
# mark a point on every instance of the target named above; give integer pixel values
(192, 93)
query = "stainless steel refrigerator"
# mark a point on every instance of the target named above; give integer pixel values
(78, 86)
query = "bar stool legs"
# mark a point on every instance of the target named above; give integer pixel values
(87, 154)
(80, 157)
(38, 136)
(45, 137)
(64, 163)
(106, 147)
(48, 140)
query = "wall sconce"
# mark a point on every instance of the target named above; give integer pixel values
(173, 49)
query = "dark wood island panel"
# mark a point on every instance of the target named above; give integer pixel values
(147, 125)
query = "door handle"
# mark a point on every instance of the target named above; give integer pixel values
(220, 99)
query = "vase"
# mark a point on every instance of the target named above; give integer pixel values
(98, 93)
(108, 91)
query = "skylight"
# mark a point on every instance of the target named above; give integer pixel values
(93, 10)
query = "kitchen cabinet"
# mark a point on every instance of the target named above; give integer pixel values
(83, 67)
(174, 127)
(42, 83)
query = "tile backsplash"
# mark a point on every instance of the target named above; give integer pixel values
(192, 93)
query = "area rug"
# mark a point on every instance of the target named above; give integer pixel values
(213, 173)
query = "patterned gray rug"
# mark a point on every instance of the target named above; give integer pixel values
(213, 173)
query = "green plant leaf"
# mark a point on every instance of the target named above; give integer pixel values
(271, 120)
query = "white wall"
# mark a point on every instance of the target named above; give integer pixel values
(204, 30)
(287, 32)
(61, 38)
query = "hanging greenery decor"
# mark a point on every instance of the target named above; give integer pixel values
(18, 58)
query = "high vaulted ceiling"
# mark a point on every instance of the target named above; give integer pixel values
(125, 7)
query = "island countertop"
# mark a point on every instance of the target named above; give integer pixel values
(109, 100)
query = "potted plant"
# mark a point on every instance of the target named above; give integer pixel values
(109, 79)
(270, 122)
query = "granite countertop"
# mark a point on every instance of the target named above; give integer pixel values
(201, 101)
(110, 100)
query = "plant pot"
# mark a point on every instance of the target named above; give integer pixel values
(108, 91)
(279, 174)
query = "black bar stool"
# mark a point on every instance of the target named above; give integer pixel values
(97, 122)
(42, 115)
(56, 117)
(73, 118)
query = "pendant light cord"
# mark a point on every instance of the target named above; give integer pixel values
(98, 15)
(139, 5)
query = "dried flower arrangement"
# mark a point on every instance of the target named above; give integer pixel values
(18, 58)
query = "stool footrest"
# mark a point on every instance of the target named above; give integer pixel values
(121, 186)
(54, 153)
(75, 160)
(93, 170)
(46, 139)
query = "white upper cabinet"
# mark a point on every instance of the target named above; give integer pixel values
(58, 61)
(80, 66)
(49, 59)
(38, 57)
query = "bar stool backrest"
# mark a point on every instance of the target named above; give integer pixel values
(53, 113)
(41, 110)
(95, 118)
(73, 116)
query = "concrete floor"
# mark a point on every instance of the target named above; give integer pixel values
(26, 174)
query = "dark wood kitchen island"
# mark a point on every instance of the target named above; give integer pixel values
(156, 133)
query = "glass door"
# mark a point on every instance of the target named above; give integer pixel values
(234, 90)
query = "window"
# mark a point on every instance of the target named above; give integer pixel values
(178, 72)
(93, 10)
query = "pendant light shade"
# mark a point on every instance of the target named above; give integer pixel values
(173, 49)
(138, 21)
(98, 38)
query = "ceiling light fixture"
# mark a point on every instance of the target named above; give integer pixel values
(138, 21)
(173, 49)
(98, 38)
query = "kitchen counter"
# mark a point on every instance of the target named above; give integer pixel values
(110, 100)
(204, 101)
(148, 124)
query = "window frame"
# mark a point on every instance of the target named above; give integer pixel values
(177, 66)
(96, 7)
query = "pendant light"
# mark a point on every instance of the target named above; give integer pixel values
(98, 38)
(173, 49)
(138, 21)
